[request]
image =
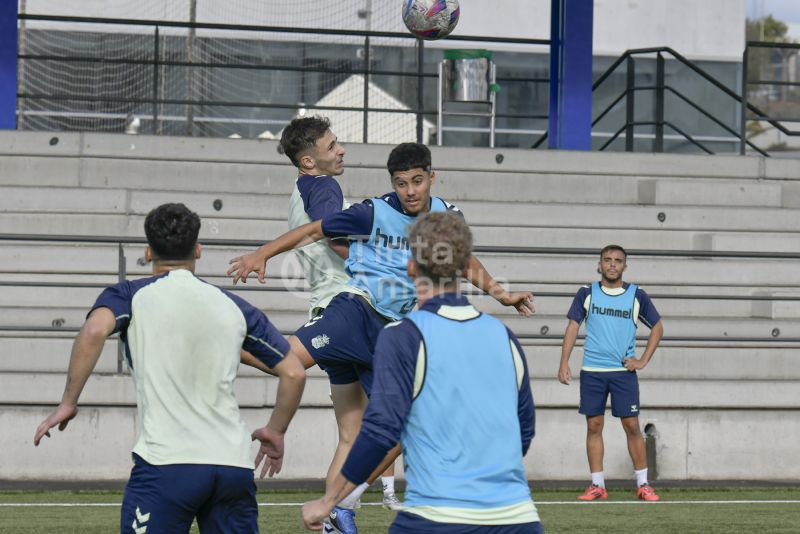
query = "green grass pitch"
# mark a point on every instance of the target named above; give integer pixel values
(766, 511)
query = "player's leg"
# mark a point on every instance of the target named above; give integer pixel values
(624, 389)
(390, 500)
(594, 393)
(595, 448)
(232, 507)
(635, 442)
(163, 498)
(349, 403)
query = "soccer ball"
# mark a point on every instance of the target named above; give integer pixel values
(430, 19)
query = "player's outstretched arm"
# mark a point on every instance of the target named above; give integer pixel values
(85, 352)
(292, 376)
(570, 336)
(242, 266)
(317, 510)
(480, 278)
(656, 333)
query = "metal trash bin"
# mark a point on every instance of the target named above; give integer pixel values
(467, 75)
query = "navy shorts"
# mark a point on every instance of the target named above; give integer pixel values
(623, 387)
(406, 523)
(342, 339)
(167, 498)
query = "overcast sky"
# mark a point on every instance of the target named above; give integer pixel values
(784, 10)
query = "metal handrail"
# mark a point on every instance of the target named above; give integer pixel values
(702, 73)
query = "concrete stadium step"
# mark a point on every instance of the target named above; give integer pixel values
(710, 361)
(267, 207)
(358, 183)
(536, 326)
(54, 297)
(119, 390)
(262, 230)
(672, 361)
(277, 299)
(520, 270)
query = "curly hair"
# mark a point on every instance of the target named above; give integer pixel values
(302, 134)
(407, 156)
(441, 245)
(171, 231)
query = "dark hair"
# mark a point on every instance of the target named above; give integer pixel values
(171, 231)
(302, 134)
(407, 156)
(609, 248)
(441, 245)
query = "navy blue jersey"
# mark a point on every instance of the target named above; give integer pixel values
(380, 251)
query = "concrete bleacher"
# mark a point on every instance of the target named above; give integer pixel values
(722, 387)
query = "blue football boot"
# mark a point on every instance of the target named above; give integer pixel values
(343, 520)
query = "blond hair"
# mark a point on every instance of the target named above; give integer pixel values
(441, 245)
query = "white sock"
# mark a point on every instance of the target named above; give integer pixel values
(350, 501)
(388, 485)
(598, 479)
(641, 477)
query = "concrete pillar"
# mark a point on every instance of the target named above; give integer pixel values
(571, 74)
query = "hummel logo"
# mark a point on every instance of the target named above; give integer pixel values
(320, 341)
(141, 518)
(634, 408)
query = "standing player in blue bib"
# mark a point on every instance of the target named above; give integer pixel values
(342, 339)
(452, 386)
(612, 309)
(183, 338)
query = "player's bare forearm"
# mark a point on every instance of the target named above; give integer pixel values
(290, 390)
(480, 278)
(315, 511)
(656, 333)
(387, 462)
(248, 359)
(242, 266)
(570, 336)
(477, 274)
(86, 351)
(340, 247)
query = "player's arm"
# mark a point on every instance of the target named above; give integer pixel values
(264, 343)
(323, 197)
(575, 315)
(86, 351)
(248, 359)
(292, 380)
(651, 318)
(396, 353)
(340, 247)
(570, 336)
(242, 266)
(480, 278)
(656, 333)
(526, 409)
